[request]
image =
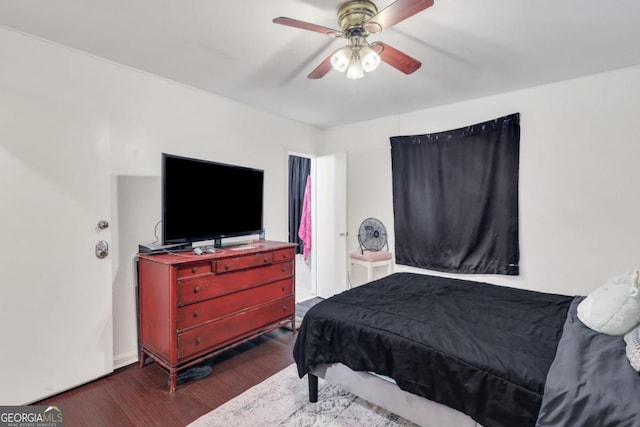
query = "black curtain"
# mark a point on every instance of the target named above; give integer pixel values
(455, 198)
(299, 169)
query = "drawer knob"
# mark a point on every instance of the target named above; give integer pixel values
(227, 266)
(198, 339)
(196, 289)
(196, 313)
(194, 269)
(284, 308)
(266, 260)
(283, 269)
(282, 287)
(284, 255)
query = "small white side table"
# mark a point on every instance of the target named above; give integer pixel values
(371, 260)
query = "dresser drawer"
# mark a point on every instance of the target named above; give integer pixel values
(194, 314)
(207, 286)
(283, 255)
(242, 262)
(217, 334)
(195, 269)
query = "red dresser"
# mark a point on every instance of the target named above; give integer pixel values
(193, 307)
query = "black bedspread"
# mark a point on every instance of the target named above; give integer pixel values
(482, 349)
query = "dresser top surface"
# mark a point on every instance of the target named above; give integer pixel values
(220, 253)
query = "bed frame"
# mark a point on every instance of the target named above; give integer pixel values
(384, 392)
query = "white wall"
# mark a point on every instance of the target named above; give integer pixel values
(579, 175)
(147, 115)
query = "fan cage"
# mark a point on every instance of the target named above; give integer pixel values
(372, 236)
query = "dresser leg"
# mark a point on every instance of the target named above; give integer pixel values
(142, 358)
(173, 379)
(293, 324)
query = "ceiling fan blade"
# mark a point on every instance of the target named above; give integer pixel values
(307, 26)
(322, 69)
(395, 58)
(396, 12)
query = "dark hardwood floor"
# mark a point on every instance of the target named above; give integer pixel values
(134, 396)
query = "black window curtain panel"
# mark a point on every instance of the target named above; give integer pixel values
(299, 170)
(455, 198)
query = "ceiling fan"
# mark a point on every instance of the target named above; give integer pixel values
(359, 19)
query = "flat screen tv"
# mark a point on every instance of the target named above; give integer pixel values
(204, 200)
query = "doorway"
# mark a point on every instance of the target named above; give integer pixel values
(301, 196)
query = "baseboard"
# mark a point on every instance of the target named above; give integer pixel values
(122, 360)
(303, 295)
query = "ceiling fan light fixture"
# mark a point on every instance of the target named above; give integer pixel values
(355, 70)
(340, 60)
(369, 59)
(358, 19)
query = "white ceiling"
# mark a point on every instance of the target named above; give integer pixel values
(468, 48)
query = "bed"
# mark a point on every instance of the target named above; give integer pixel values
(441, 351)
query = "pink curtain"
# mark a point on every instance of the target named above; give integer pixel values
(304, 232)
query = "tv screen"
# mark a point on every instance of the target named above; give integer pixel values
(204, 200)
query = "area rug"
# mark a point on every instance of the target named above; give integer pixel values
(282, 400)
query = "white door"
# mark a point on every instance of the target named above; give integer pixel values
(331, 224)
(55, 295)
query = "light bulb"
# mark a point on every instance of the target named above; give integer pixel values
(369, 59)
(340, 59)
(355, 70)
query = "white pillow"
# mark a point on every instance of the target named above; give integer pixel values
(633, 348)
(613, 308)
